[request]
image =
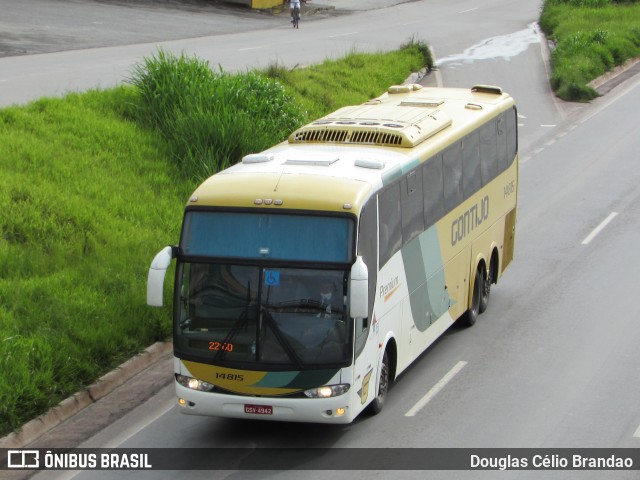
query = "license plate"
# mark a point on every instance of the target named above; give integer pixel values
(258, 409)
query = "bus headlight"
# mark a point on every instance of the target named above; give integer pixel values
(194, 383)
(327, 391)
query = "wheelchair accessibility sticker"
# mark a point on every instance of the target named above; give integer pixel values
(272, 278)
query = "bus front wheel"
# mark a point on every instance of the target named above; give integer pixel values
(376, 405)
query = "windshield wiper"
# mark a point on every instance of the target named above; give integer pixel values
(271, 323)
(242, 320)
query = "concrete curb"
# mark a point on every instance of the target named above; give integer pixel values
(37, 427)
(605, 83)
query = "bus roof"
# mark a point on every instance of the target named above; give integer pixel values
(335, 163)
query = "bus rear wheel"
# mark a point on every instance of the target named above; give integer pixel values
(375, 407)
(487, 280)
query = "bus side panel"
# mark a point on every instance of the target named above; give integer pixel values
(500, 225)
(386, 322)
(509, 238)
(428, 298)
(481, 247)
(457, 273)
(507, 186)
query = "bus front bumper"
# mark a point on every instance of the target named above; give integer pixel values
(313, 410)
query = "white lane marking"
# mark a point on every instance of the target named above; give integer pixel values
(253, 48)
(343, 34)
(435, 389)
(599, 228)
(637, 434)
(470, 10)
(117, 440)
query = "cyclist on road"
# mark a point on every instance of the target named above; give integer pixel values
(294, 4)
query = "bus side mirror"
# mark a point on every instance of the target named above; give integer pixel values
(359, 290)
(155, 279)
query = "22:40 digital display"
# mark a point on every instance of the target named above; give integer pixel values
(215, 346)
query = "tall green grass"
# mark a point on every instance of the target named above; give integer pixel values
(86, 198)
(94, 184)
(353, 79)
(211, 119)
(591, 37)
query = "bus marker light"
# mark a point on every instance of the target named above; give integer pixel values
(182, 402)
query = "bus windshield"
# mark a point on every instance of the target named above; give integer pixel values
(262, 317)
(268, 236)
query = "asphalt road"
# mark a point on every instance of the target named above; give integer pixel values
(43, 26)
(262, 41)
(554, 360)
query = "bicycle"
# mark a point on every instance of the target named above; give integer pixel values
(295, 14)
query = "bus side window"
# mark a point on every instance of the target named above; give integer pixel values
(432, 181)
(512, 134)
(412, 206)
(472, 179)
(452, 167)
(488, 152)
(503, 157)
(390, 222)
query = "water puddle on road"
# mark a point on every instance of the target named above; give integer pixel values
(503, 46)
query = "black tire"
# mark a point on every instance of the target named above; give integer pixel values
(487, 280)
(470, 316)
(376, 406)
(296, 17)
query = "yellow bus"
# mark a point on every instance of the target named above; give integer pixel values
(310, 275)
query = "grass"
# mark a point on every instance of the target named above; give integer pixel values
(356, 78)
(211, 119)
(591, 37)
(86, 197)
(93, 185)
